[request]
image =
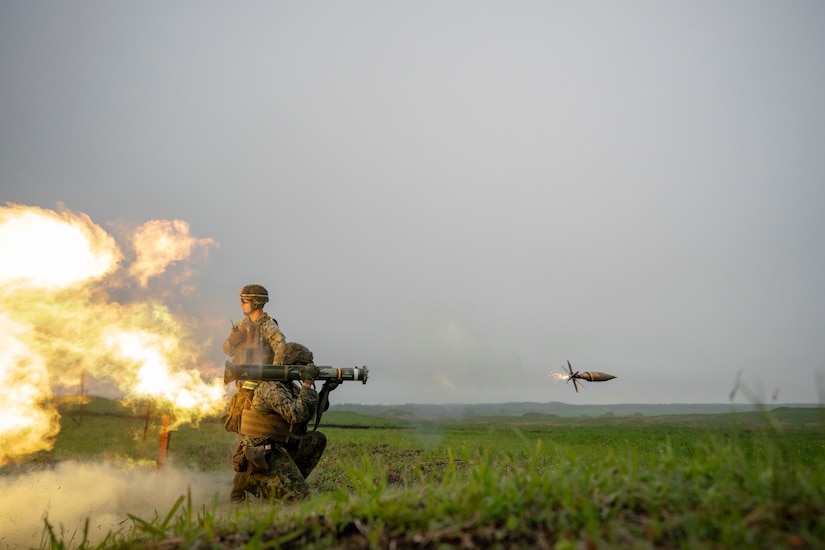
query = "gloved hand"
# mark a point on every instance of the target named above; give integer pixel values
(236, 336)
(309, 373)
(331, 384)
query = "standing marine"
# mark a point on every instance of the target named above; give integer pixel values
(256, 338)
(275, 452)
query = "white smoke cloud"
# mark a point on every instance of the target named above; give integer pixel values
(102, 493)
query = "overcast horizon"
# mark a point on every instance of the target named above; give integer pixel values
(462, 196)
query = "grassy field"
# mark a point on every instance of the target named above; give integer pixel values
(739, 480)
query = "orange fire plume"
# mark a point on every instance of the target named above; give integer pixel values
(59, 321)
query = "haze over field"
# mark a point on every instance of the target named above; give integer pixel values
(460, 195)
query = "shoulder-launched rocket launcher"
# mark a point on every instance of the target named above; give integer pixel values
(290, 372)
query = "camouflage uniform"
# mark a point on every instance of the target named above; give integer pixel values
(260, 341)
(289, 460)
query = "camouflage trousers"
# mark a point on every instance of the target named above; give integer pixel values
(289, 465)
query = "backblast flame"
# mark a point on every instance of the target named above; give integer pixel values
(155, 379)
(159, 243)
(26, 425)
(46, 249)
(58, 322)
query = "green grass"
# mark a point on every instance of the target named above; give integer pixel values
(743, 480)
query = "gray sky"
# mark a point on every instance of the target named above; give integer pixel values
(460, 195)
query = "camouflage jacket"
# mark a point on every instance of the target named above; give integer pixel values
(295, 404)
(262, 341)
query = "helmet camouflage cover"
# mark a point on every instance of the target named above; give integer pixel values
(256, 294)
(293, 353)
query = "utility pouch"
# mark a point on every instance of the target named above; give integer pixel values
(239, 461)
(234, 409)
(256, 456)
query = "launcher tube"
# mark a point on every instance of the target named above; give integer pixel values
(290, 372)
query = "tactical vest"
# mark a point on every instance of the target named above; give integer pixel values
(241, 417)
(256, 424)
(237, 404)
(254, 350)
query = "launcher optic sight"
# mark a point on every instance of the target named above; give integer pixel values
(290, 372)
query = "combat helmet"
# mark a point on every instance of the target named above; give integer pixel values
(256, 294)
(293, 353)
